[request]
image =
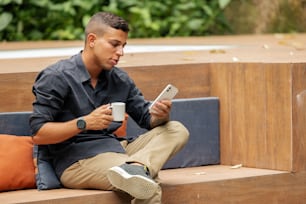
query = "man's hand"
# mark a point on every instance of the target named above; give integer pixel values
(160, 112)
(99, 119)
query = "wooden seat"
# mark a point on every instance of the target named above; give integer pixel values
(261, 84)
(197, 185)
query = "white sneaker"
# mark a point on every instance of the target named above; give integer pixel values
(135, 180)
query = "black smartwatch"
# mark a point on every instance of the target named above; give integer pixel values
(81, 123)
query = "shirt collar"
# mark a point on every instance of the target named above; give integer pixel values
(82, 71)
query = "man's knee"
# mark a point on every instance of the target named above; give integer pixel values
(178, 130)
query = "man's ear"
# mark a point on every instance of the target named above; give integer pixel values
(91, 37)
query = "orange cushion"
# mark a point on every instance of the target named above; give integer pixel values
(121, 131)
(16, 162)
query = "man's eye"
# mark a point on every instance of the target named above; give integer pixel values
(114, 44)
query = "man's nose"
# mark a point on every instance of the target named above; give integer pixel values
(119, 51)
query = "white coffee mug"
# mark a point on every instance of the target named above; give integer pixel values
(118, 111)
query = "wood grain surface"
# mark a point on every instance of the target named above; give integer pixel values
(260, 82)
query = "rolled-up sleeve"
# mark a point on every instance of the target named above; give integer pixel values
(49, 90)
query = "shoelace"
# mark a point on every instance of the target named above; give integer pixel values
(146, 169)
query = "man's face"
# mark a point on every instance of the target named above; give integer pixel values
(109, 48)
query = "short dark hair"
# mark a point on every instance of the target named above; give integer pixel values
(100, 19)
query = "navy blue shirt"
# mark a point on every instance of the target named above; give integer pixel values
(63, 92)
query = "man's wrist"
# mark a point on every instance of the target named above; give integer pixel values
(158, 121)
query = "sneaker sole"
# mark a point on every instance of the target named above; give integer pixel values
(135, 185)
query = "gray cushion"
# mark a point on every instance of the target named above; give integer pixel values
(15, 123)
(45, 176)
(201, 117)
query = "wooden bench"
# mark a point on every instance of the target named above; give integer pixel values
(261, 85)
(208, 184)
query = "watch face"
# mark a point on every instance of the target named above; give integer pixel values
(81, 124)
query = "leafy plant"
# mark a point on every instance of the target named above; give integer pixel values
(172, 17)
(65, 20)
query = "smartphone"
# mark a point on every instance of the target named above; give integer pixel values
(169, 93)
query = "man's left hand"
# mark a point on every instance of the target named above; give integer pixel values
(160, 112)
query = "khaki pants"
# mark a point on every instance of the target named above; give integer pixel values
(152, 149)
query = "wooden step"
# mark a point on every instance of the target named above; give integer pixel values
(197, 185)
(223, 185)
(260, 82)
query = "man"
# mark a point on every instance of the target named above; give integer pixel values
(72, 115)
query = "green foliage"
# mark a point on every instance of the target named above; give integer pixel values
(281, 16)
(290, 19)
(172, 17)
(65, 20)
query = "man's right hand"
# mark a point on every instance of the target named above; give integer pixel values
(99, 119)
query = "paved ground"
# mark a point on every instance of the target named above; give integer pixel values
(245, 48)
(129, 49)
